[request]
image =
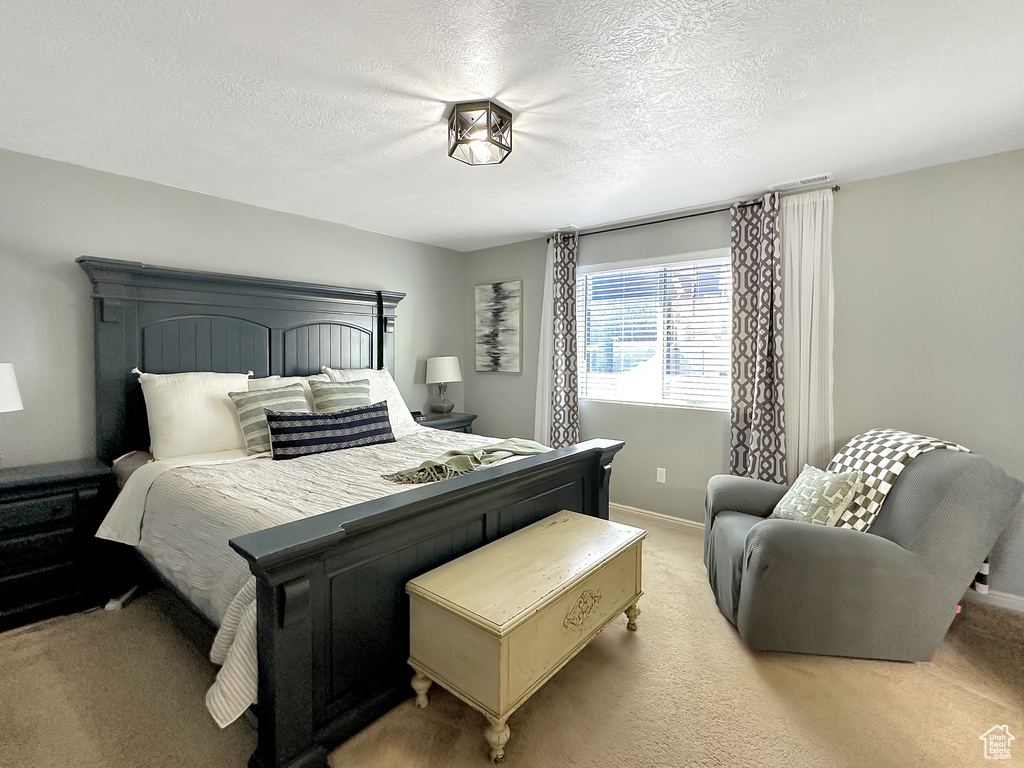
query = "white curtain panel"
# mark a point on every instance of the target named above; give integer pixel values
(545, 353)
(805, 224)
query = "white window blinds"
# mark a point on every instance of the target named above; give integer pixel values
(656, 334)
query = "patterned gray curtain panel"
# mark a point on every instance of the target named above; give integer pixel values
(565, 401)
(758, 414)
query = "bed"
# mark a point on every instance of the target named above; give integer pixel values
(331, 616)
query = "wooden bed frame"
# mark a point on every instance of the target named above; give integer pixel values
(332, 615)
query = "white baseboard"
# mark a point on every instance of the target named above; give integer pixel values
(1006, 600)
(612, 506)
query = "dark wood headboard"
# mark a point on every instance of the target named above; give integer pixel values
(165, 320)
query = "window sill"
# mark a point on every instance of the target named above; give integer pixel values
(672, 406)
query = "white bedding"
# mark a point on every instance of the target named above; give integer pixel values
(182, 513)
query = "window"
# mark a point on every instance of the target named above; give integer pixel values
(658, 333)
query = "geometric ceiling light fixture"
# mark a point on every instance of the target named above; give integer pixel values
(479, 133)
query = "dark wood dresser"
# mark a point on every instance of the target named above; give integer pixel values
(50, 562)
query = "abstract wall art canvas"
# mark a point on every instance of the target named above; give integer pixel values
(499, 319)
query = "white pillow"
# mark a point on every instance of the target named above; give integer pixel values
(382, 387)
(818, 496)
(273, 382)
(191, 412)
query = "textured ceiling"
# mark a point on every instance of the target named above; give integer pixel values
(334, 110)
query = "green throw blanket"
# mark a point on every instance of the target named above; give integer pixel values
(459, 462)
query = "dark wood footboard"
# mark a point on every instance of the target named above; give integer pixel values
(333, 619)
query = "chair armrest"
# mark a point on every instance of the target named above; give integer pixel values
(813, 549)
(821, 589)
(741, 494)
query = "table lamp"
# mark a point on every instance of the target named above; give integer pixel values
(442, 371)
(10, 397)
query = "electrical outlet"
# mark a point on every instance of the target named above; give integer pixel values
(661, 474)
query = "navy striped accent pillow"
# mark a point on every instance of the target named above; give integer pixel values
(295, 434)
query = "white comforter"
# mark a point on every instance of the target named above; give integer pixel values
(182, 513)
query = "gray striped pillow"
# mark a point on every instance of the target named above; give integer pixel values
(334, 396)
(300, 434)
(250, 407)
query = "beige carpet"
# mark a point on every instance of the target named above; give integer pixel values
(125, 690)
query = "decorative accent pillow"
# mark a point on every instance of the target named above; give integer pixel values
(191, 413)
(252, 416)
(334, 396)
(275, 382)
(382, 387)
(301, 434)
(818, 497)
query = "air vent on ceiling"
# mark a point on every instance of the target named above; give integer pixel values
(807, 181)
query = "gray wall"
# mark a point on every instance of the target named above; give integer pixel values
(504, 402)
(929, 320)
(929, 267)
(51, 213)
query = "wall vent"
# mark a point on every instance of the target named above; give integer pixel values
(807, 181)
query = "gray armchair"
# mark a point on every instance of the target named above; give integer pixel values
(890, 593)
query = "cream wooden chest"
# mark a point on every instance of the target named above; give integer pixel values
(495, 624)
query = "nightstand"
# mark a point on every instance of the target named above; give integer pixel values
(453, 422)
(48, 561)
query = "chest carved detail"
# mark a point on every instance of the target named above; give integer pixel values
(577, 615)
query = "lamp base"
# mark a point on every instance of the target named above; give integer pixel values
(443, 404)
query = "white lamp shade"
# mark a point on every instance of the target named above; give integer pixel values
(10, 397)
(442, 370)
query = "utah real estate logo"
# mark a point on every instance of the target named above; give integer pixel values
(997, 742)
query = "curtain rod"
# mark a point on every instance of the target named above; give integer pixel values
(677, 218)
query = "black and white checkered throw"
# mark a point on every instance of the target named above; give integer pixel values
(881, 454)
